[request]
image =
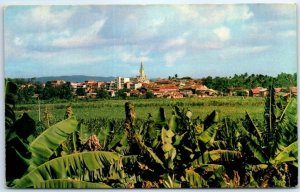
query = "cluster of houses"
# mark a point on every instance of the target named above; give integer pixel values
(165, 88)
(260, 91)
(161, 88)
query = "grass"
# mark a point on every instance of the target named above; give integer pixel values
(233, 107)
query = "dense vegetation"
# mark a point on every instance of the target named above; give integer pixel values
(250, 81)
(180, 151)
(25, 95)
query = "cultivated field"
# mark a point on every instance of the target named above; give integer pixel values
(233, 107)
(236, 143)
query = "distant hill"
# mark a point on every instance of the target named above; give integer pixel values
(73, 78)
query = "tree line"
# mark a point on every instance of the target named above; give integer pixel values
(250, 81)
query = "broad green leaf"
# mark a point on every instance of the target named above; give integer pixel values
(73, 165)
(194, 179)
(211, 119)
(103, 136)
(148, 150)
(217, 156)
(116, 139)
(161, 115)
(252, 128)
(208, 134)
(256, 149)
(44, 145)
(84, 134)
(173, 123)
(285, 154)
(70, 184)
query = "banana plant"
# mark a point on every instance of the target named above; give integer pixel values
(272, 150)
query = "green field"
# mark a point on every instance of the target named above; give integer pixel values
(233, 107)
(101, 148)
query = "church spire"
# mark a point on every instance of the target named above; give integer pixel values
(142, 72)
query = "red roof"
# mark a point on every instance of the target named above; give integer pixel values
(277, 89)
(256, 90)
(294, 89)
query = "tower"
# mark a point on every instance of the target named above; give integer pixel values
(142, 72)
(142, 76)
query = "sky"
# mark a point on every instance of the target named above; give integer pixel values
(187, 40)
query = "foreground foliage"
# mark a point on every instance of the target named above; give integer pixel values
(180, 151)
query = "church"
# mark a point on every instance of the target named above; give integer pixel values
(142, 78)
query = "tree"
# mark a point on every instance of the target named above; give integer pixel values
(80, 92)
(122, 93)
(65, 91)
(25, 94)
(149, 95)
(38, 88)
(102, 93)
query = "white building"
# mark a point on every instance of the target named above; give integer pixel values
(120, 81)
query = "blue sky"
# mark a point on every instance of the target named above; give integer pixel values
(188, 40)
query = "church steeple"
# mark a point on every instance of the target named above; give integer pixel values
(142, 76)
(142, 72)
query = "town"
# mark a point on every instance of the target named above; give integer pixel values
(172, 88)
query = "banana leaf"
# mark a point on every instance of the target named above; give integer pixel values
(208, 134)
(211, 119)
(84, 133)
(145, 149)
(167, 147)
(217, 156)
(69, 183)
(173, 123)
(290, 153)
(74, 165)
(256, 149)
(251, 127)
(194, 179)
(161, 117)
(44, 145)
(215, 168)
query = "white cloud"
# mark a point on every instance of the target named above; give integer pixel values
(44, 15)
(146, 29)
(234, 12)
(177, 42)
(18, 41)
(223, 33)
(81, 38)
(132, 58)
(172, 57)
(214, 14)
(74, 58)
